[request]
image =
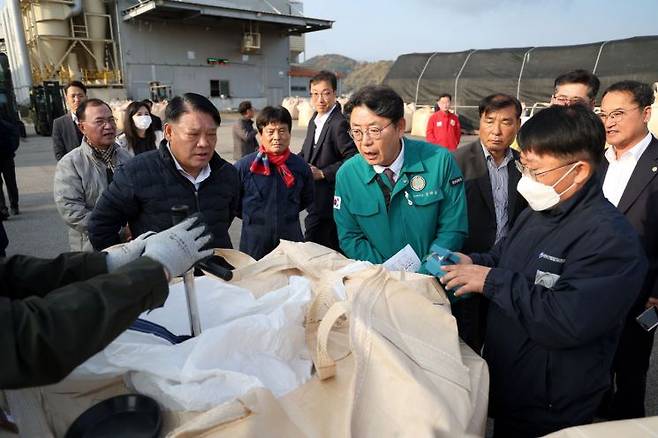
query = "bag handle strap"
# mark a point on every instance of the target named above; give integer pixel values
(325, 365)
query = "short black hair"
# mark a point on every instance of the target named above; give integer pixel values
(565, 132)
(77, 84)
(244, 106)
(273, 114)
(189, 102)
(80, 112)
(641, 92)
(580, 76)
(495, 102)
(379, 99)
(324, 75)
(441, 96)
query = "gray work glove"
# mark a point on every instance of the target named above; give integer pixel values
(119, 255)
(179, 247)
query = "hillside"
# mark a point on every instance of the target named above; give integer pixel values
(335, 63)
(367, 73)
(358, 74)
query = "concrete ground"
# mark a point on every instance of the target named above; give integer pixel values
(39, 231)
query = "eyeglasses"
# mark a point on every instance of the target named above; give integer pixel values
(374, 132)
(532, 174)
(325, 94)
(615, 116)
(566, 100)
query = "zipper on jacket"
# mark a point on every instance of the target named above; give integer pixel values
(196, 200)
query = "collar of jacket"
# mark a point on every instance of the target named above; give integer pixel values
(412, 162)
(89, 152)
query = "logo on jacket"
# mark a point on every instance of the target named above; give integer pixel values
(455, 181)
(452, 122)
(439, 124)
(417, 183)
(337, 202)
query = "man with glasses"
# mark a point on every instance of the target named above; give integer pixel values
(558, 284)
(577, 86)
(85, 172)
(397, 191)
(325, 148)
(629, 182)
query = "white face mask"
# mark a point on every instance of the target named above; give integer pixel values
(541, 197)
(142, 122)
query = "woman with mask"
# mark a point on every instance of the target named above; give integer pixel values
(138, 133)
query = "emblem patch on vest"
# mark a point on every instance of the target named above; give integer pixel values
(337, 202)
(452, 122)
(417, 183)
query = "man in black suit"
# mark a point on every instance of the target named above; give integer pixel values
(66, 134)
(326, 147)
(490, 178)
(630, 182)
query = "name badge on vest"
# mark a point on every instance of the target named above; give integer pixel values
(439, 123)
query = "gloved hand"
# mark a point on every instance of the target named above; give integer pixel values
(119, 255)
(179, 247)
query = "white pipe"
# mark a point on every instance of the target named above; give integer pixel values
(20, 48)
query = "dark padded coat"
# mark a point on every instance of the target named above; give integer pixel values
(144, 190)
(269, 210)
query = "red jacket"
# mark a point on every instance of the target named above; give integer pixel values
(444, 129)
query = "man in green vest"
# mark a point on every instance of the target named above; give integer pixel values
(397, 191)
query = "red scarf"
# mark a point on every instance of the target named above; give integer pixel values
(261, 165)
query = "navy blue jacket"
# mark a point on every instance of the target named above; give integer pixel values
(561, 285)
(269, 210)
(145, 188)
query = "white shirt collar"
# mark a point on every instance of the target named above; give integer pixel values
(396, 166)
(633, 153)
(321, 118)
(203, 175)
(74, 117)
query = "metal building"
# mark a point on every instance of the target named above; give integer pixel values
(226, 50)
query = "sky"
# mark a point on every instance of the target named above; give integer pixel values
(372, 30)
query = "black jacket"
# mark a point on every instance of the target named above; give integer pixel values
(66, 135)
(9, 139)
(144, 190)
(333, 148)
(561, 285)
(55, 314)
(269, 210)
(639, 204)
(479, 196)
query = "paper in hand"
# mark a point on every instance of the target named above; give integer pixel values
(404, 260)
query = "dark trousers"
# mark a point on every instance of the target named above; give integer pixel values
(8, 171)
(630, 370)
(471, 316)
(321, 230)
